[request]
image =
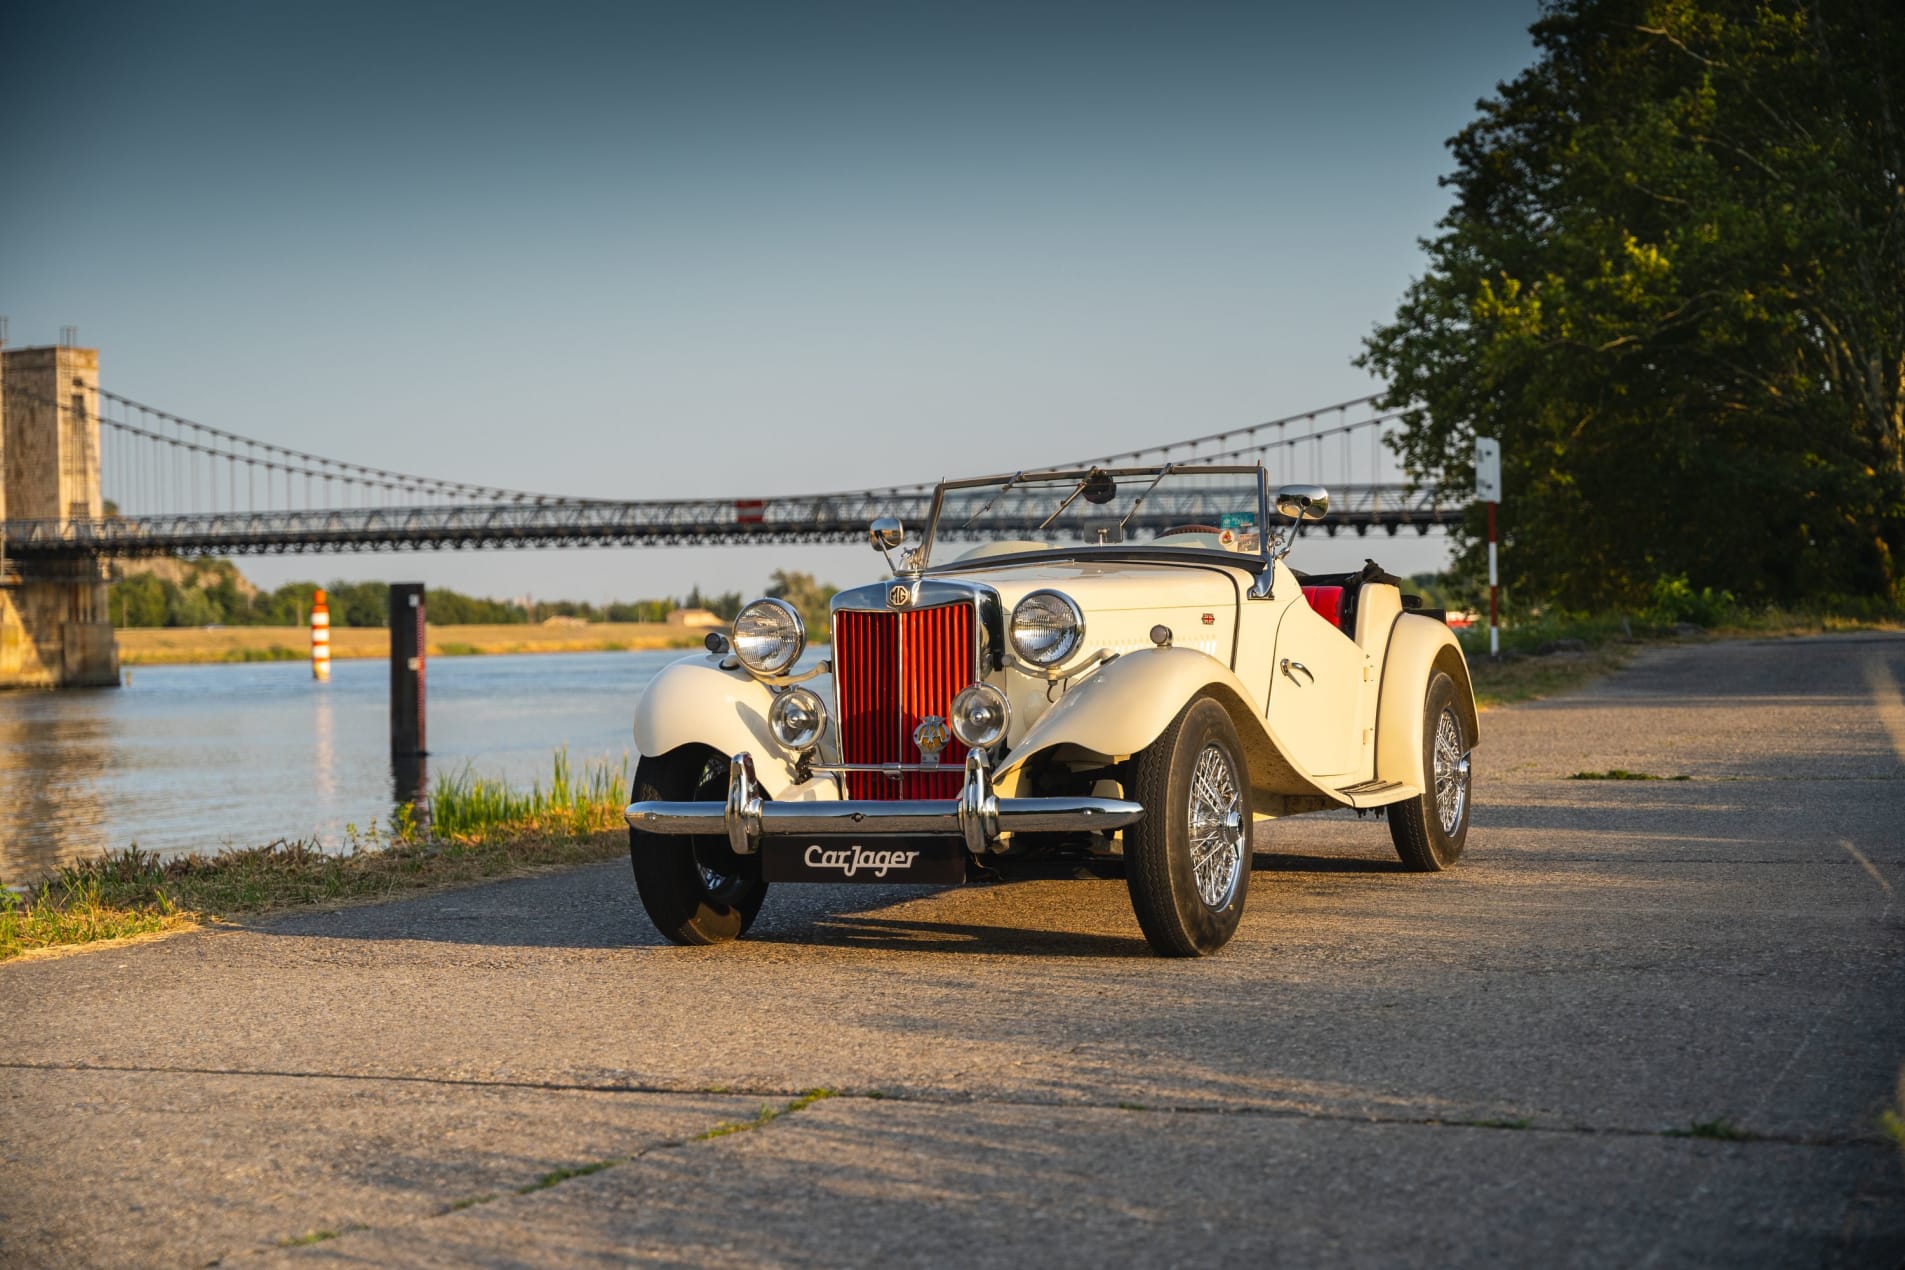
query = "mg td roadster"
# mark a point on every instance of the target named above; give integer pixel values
(1123, 669)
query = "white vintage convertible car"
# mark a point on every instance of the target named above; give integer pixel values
(1122, 670)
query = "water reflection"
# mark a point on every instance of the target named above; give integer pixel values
(195, 758)
(410, 788)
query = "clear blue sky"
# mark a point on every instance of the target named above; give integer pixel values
(638, 250)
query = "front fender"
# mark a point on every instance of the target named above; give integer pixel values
(1418, 647)
(1124, 706)
(693, 701)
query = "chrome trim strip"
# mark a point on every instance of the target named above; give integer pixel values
(977, 816)
(900, 818)
(890, 769)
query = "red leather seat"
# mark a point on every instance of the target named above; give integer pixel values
(1328, 603)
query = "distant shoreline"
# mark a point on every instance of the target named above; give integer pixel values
(178, 645)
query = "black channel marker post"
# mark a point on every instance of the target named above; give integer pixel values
(406, 670)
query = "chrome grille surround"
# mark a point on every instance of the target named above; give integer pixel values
(880, 685)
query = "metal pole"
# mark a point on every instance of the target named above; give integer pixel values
(407, 636)
(1494, 591)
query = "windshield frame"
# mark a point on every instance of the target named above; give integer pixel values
(1254, 563)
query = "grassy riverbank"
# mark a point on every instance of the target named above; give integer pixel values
(481, 829)
(1551, 655)
(178, 645)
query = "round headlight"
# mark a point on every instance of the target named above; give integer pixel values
(1047, 628)
(797, 718)
(979, 716)
(769, 636)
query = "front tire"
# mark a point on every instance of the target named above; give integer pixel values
(1187, 863)
(1430, 831)
(696, 890)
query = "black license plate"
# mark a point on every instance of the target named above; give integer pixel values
(934, 860)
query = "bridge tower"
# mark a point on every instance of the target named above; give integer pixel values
(55, 630)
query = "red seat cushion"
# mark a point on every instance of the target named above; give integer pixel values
(1328, 603)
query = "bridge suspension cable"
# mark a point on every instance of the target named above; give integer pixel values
(178, 485)
(199, 459)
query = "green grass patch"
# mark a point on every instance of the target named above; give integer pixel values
(1720, 1130)
(767, 1115)
(1892, 1119)
(458, 648)
(316, 1237)
(1622, 774)
(1893, 1127)
(1547, 653)
(481, 830)
(76, 908)
(558, 1176)
(466, 807)
(1504, 681)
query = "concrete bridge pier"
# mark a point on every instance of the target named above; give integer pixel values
(55, 628)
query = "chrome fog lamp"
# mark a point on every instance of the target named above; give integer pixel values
(979, 716)
(1047, 628)
(769, 636)
(797, 718)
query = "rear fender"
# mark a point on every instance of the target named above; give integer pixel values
(695, 702)
(1125, 705)
(1418, 647)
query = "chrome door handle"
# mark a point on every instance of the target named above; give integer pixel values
(1291, 667)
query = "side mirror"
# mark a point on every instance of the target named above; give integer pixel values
(1303, 502)
(886, 533)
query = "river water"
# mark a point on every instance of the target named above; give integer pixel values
(195, 758)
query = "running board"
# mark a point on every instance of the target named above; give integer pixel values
(1377, 793)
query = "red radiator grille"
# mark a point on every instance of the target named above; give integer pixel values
(894, 669)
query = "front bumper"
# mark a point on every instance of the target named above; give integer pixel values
(977, 815)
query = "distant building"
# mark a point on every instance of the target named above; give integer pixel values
(697, 619)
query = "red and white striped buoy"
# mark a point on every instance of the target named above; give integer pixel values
(320, 638)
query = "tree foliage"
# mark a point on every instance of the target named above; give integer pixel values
(211, 592)
(1673, 284)
(807, 596)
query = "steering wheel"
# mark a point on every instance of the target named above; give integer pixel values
(1190, 529)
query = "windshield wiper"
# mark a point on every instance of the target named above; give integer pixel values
(1140, 500)
(1076, 491)
(997, 495)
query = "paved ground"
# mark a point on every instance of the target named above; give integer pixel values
(1492, 1066)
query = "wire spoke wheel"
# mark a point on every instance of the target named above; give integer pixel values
(1431, 829)
(1451, 771)
(1187, 863)
(1217, 834)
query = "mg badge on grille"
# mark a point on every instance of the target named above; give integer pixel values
(898, 596)
(931, 737)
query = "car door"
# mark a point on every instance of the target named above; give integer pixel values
(1316, 693)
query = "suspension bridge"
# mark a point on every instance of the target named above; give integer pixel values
(174, 486)
(92, 475)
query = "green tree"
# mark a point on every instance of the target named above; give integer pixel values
(806, 595)
(1673, 284)
(725, 606)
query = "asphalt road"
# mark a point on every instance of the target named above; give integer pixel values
(1501, 1065)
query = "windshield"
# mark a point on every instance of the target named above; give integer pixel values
(1168, 508)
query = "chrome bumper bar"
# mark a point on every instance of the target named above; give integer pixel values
(977, 815)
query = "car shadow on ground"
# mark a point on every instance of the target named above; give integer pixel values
(904, 934)
(595, 909)
(1294, 862)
